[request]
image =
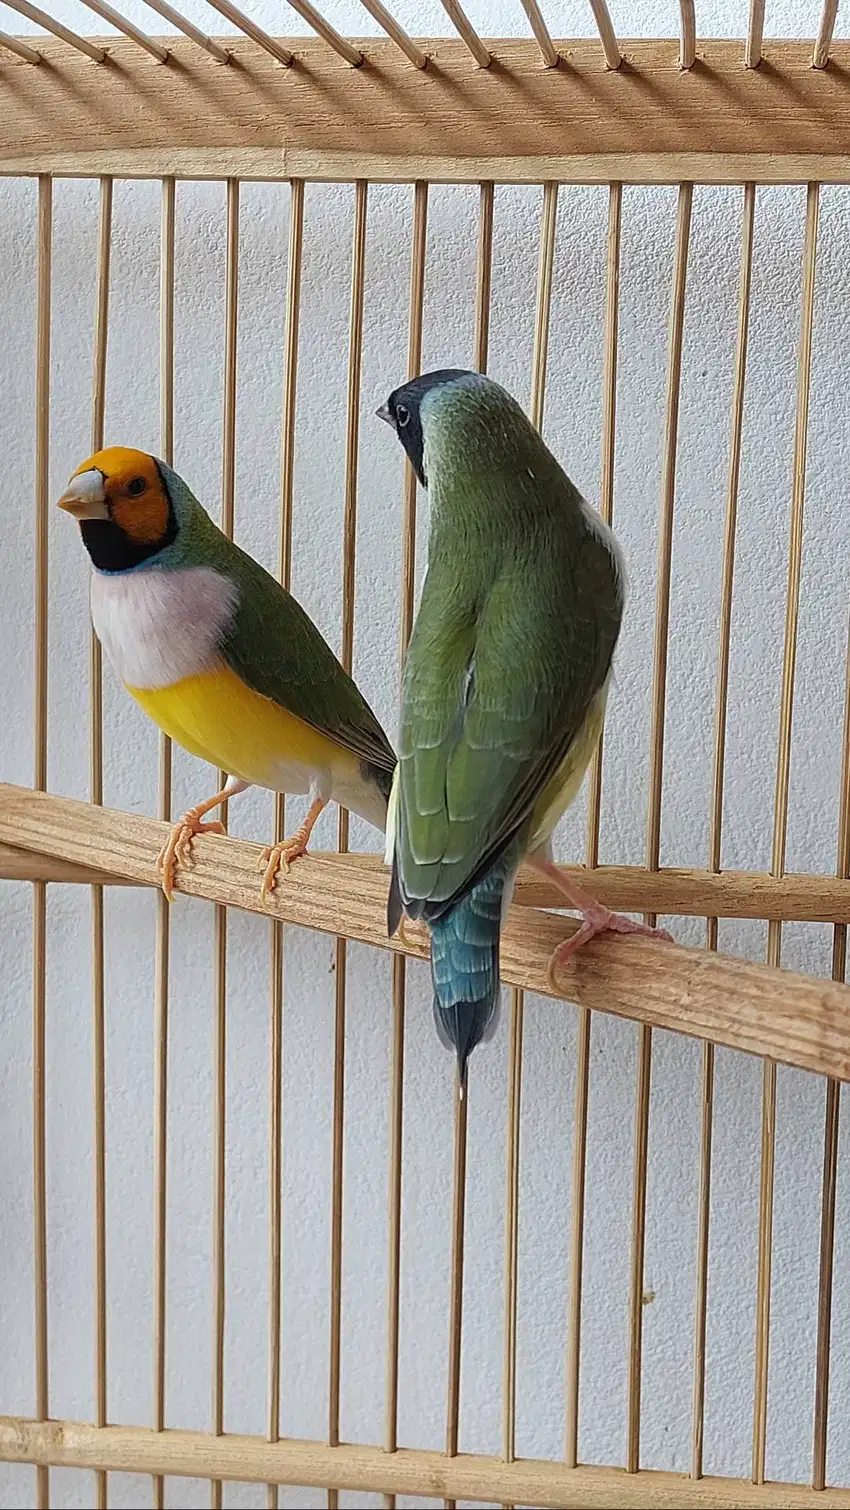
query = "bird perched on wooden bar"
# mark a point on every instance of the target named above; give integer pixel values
(504, 688)
(220, 656)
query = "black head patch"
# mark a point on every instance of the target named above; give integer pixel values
(403, 411)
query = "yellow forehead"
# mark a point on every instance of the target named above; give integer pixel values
(119, 464)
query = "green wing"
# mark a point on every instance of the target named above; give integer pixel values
(275, 647)
(494, 695)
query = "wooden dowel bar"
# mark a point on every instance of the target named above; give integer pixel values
(22, 865)
(96, 793)
(665, 538)
(796, 1019)
(328, 33)
(163, 909)
(466, 31)
(716, 822)
(755, 34)
(416, 306)
(606, 485)
(396, 33)
(536, 408)
(780, 823)
(483, 276)
(688, 46)
(609, 411)
(625, 888)
(114, 18)
(21, 49)
(517, 1013)
(548, 51)
(238, 18)
(44, 259)
(607, 36)
(228, 474)
(823, 43)
(483, 281)
(653, 824)
(189, 30)
(832, 1110)
(134, 1449)
(349, 542)
(461, 1113)
(295, 253)
(41, 18)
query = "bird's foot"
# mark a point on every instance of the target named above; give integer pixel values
(177, 848)
(277, 857)
(599, 919)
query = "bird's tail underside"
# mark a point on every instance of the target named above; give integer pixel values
(465, 967)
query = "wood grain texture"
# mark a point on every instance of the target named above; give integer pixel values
(646, 121)
(793, 1018)
(136, 1449)
(671, 891)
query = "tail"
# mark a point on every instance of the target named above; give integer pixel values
(465, 966)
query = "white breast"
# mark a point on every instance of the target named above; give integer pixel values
(159, 626)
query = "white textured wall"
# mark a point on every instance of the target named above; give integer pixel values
(573, 415)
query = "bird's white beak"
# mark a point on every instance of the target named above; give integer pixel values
(384, 413)
(84, 496)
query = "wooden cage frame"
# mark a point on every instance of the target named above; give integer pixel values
(540, 111)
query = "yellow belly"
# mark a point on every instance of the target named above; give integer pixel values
(562, 788)
(218, 718)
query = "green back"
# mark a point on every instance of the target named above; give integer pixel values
(516, 629)
(271, 643)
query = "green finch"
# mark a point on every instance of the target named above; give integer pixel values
(504, 687)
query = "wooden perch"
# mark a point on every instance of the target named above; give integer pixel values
(408, 1471)
(795, 1019)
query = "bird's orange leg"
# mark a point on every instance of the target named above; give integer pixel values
(177, 846)
(595, 917)
(280, 856)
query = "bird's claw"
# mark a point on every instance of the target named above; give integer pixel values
(277, 857)
(601, 920)
(177, 849)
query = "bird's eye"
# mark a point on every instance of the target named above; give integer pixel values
(137, 486)
(402, 415)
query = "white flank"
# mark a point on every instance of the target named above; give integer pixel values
(392, 815)
(158, 626)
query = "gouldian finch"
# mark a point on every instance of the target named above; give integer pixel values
(504, 685)
(220, 656)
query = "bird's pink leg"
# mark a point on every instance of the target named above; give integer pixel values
(595, 917)
(280, 856)
(179, 842)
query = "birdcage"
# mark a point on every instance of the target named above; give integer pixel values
(514, 1297)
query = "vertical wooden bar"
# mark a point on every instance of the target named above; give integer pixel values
(483, 282)
(606, 506)
(484, 277)
(656, 778)
(228, 473)
(96, 792)
(780, 822)
(161, 967)
(44, 256)
(548, 227)
(352, 451)
(715, 834)
(414, 367)
(830, 1133)
(287, 475)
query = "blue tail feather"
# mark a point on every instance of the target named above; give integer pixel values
(465, 964)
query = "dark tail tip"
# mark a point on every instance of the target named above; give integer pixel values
(462, 1027)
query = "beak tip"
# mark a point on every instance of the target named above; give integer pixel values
(383, 413)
